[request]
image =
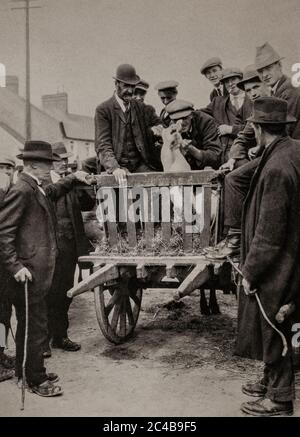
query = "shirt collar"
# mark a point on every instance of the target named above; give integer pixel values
(120, 102)
(274, 87)
(39, 184)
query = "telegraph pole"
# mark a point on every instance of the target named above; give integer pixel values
(26, 7)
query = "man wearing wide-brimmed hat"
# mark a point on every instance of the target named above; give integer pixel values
(270, 258)
(72, 243)
(212, 69)
(124, 141)
(269, 66)
(28, 250)
(225, 109)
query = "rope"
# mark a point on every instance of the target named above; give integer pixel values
(25, 346)
(284, 342)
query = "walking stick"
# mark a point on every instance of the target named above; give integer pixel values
(284, 342)
(25, 346)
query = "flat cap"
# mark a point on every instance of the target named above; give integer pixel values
(231, 72)
(7, 160)
(249, 74)
(142, 85)
(179, 109)
(167, 84)
(212, 62)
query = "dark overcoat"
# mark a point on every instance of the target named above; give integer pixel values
(110, 129)
(28, 231)
(270, 248)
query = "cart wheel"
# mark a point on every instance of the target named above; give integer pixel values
(117, 310)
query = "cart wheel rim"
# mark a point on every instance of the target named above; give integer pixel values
(117, 311)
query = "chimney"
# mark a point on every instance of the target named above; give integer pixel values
(55, 104)
(12, 83)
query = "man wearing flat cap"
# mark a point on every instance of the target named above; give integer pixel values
(72, 243)
(140, 90)
(28, 250)
(7, 363)
(124, 141)
(270, 259)
(225, 110)
(202, 146)
(269, 67)
(167, 92)
(212, 69)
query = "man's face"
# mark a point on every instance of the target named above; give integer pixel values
(230, 85)
(8, 170)
(271, 74)
(255, 89)
(167, 96)
(61, 167)
(124, 91)
(42, 170)
(185, 123)
(214, 74)
(259, 136)
(139, 95)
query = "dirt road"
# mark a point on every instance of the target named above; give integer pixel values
(179, 364)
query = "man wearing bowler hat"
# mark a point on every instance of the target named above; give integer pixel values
(212, 69)
(167, 92)
(124, 141)
(202, 147)
(270, 258)
(28, 250)
(72, 243)
(269, 67)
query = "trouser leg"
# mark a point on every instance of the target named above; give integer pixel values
(280, 380)
(236, 187)
(37, 335)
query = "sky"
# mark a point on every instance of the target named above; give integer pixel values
(76, 45)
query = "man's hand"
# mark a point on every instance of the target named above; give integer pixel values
(120, 176)
(4, 182)
(252, 152)
(82, 176)
(247, 287)
(22, 275)
(157, 130)
(224, 129)
(229, 165)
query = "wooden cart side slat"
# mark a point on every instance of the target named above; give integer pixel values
(159, 179)
(149, 225)
(205, 234)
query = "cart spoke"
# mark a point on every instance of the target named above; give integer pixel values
(129, 313)
(123, 318)
(115, 317)
(113, 300)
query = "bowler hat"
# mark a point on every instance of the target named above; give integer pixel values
(142, 85)
(265, 56)
(167, 84)
(231, 72)
(250, 74)
(212, 62)
(7, 160)
(126, 73)
(270, 110)
(60, 149)
(179, 109)
(37, 151)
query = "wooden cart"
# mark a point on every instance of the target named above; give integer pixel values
(118, 279)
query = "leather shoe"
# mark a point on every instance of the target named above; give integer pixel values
(215, 248)
(6, 374)
(266, 407)
(66, 344)
(230, 248)
(255, 389)
(7, 361)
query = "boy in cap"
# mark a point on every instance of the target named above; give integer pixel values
(212, 69)
(167, 92)
(28, 250)
(140, 90)
(7, 363)
(225, 110)
(202, 146)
